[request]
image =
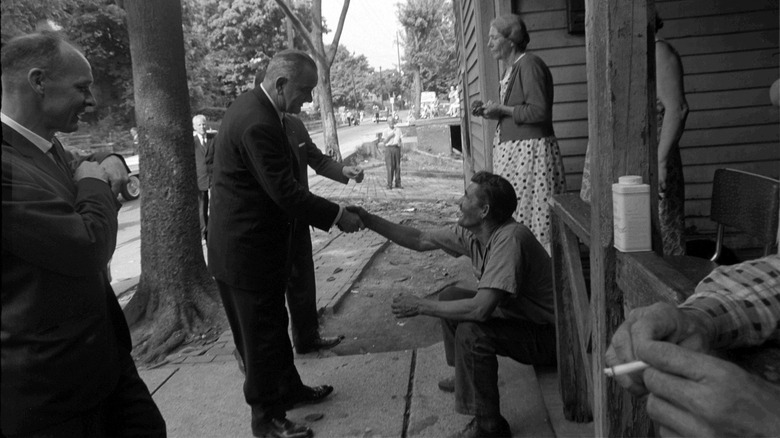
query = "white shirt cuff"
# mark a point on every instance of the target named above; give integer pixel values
(338, 216)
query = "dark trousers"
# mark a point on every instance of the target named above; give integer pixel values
(128, 411)
(471, 347)
(302, 290)
(258, 319)
(393, 164)
(203, 212)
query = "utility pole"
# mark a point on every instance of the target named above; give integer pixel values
(398, 49)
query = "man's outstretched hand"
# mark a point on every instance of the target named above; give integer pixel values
(353, 172)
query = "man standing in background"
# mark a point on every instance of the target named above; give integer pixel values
(302, 287)
(204, 158)
(391, 139)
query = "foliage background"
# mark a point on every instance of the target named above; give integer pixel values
(227, 43)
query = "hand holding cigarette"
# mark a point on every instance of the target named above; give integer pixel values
(661, 322)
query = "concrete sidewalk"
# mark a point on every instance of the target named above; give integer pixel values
(376, 395)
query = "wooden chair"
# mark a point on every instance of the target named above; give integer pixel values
(741, 200)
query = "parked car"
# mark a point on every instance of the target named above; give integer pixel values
(132, 190)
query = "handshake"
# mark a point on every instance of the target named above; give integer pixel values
(353, 219)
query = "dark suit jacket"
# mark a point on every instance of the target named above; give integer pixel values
(204, 158)
(309, 154)
(62, 329)
(256, 196)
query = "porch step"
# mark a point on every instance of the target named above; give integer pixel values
(548, 381)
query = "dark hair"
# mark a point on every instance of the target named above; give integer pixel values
(36, 50)
(513, 28)
(288, 64)
(659, 22)
(498, 193)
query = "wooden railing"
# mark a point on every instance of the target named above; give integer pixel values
(642, 278)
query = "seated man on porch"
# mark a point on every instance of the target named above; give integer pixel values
(691, 391)
(511, 312)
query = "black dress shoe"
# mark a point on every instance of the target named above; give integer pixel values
(319, 343)
(280, 428)
(309, 395)
(474, 430)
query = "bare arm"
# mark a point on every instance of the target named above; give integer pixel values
(671, 94)
(478, 308)
(408, 237)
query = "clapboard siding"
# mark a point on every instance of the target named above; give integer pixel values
(731, 135)
(674, 9)
(734, 61)
(730, 57)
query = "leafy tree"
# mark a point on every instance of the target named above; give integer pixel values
(98, 27)
(350, 78)
(324, 59)
(429, 45)
(24, 16)
(177, 299)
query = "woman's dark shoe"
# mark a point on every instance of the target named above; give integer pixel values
(310, 395)
(280, 428)
(319, 343)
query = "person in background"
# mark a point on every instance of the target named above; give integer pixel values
(671, 112)
(510, 314)
(204, 159)
(257, 201)
(302, 287)
(525, 150)
(392, 142)
(66, 364)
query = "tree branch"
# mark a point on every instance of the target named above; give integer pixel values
(305, 33)
(334, 46)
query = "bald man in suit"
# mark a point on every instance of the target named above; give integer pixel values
(66, 365)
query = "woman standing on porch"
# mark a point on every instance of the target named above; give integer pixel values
(525, 150)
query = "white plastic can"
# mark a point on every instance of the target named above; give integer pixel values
(631, 214)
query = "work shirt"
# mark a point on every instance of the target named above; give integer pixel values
(513, 261)
(391, 137)
(743, 301)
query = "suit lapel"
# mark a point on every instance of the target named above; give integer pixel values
(31, 152)
(260, 95)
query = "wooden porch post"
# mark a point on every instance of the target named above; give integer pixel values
(621, 128)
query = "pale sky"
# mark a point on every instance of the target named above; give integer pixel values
(369, 29)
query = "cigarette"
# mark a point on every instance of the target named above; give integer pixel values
(625, 368)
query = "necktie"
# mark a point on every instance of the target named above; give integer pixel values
(55, 154)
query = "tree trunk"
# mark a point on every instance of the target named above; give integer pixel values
(329, 132)
(176, 300)
(417, 91)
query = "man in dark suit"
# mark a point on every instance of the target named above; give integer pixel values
(66, 365)
(256, 202)
(204, 158)
(302, 287)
